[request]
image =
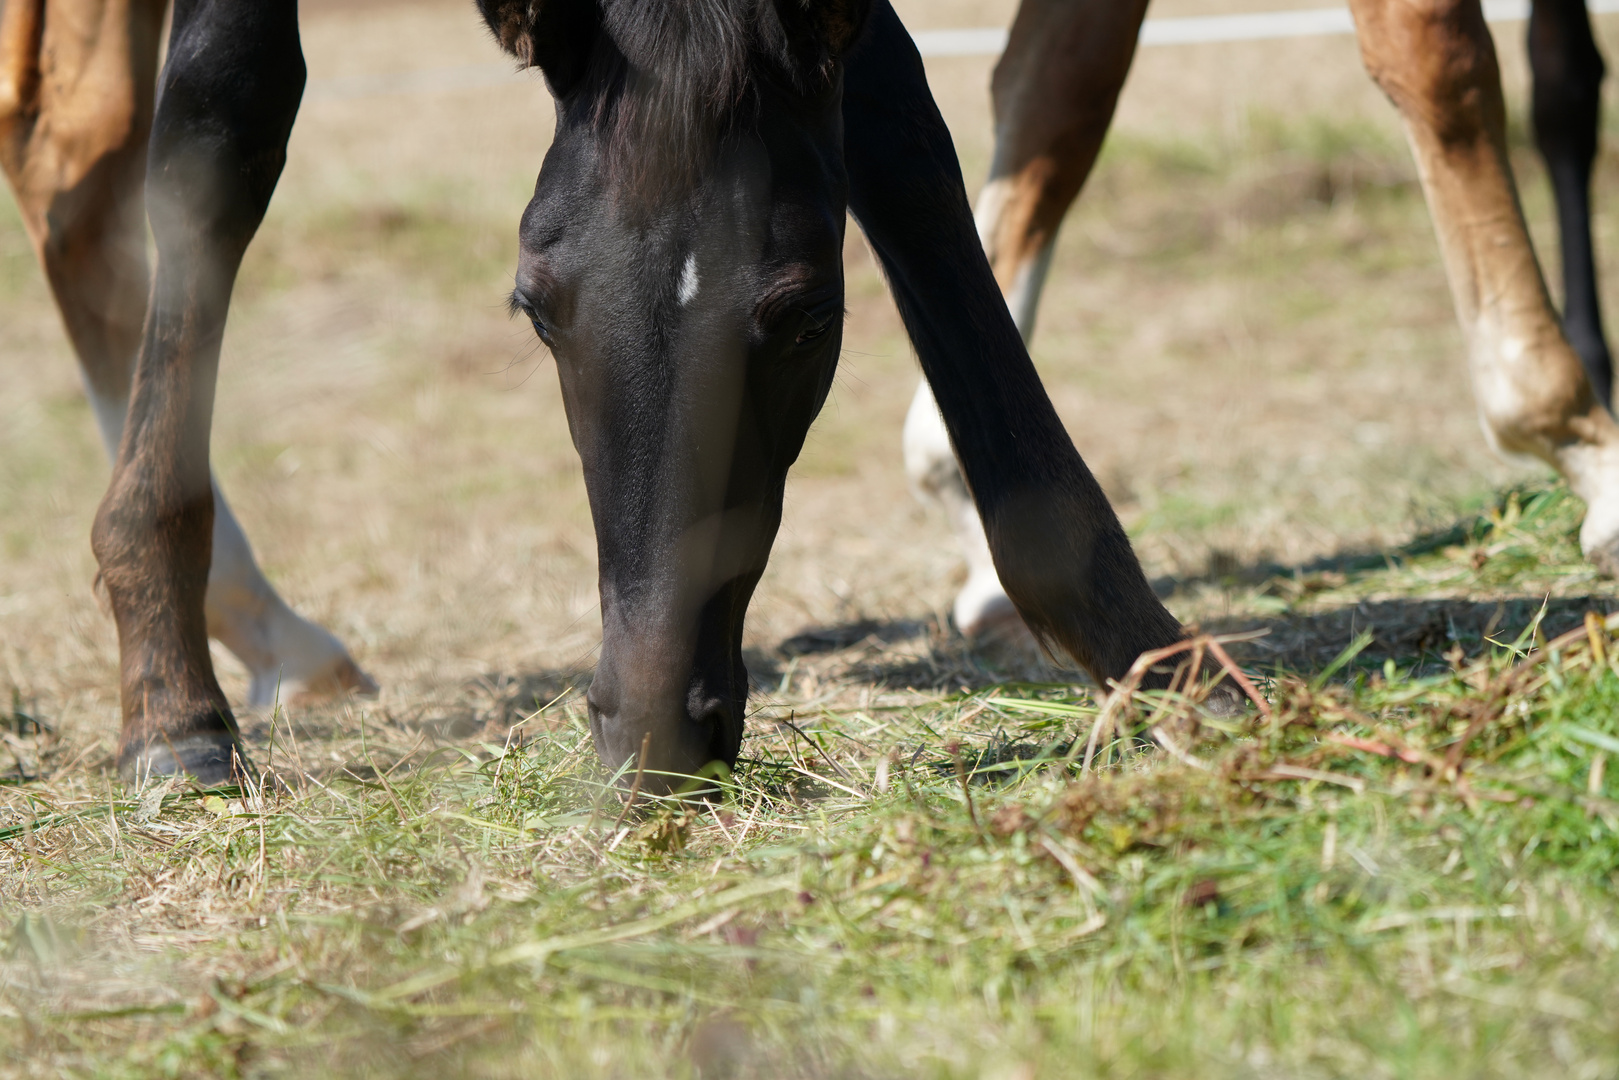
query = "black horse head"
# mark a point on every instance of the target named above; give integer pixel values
(682, 258)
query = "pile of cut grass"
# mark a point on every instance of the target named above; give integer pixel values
(1400, 868)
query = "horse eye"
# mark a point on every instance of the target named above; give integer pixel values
(820, 323)
(519, 303)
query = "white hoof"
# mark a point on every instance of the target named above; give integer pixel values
(304, 664)
(1599, 534)
(985, 615)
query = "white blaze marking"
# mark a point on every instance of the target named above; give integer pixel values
(688, 280)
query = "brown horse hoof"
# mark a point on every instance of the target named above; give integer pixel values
(212, 760)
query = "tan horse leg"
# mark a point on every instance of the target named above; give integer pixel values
(77, 80)
(1055, 89)
(1436, 62)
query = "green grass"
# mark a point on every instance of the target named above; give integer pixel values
(1401, 869)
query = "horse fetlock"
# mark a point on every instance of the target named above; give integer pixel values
(1532, 392)
(175, 716)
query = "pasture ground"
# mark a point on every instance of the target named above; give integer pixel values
(1405, 869)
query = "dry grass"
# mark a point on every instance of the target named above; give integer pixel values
(1249, 335)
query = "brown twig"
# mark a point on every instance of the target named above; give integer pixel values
(1381, 749)
(1162, 738)
(1285, 771)
(1238, 677)
(1124, 689)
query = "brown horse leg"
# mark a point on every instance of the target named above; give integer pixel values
(1568, 72)
(76, 91)
(77, 82)
(1055, 89)
(1436, 62)
(230, 91)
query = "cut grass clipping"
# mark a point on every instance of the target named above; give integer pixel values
(1380, 871)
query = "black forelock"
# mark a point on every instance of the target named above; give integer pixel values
(670, 78)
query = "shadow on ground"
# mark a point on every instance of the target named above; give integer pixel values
(1321, 618)
(1226, 570)
(909, 654)
(1406, 631)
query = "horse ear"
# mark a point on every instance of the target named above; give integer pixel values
(836, 24)
(552, 35)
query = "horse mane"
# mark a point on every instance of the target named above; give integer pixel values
(670, 79)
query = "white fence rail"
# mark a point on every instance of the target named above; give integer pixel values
(975, 41)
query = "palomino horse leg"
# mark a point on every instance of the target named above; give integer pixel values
(1568, 74)
(76, 94)
(230, 90)
(1055, 89)
(1435, 60)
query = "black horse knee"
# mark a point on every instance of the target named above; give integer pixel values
(1567, 109)
(227, 99)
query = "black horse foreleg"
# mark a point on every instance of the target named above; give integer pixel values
(1568, 72)
(227, 98)
(1058, 547)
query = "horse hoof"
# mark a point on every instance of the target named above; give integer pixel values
(1599, 536)
(1225, 700)
(211, 760)
(1605, 559)
(1003, 632)
(1602, 554)
(339, 676)
(985, 616)
(343, 678)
